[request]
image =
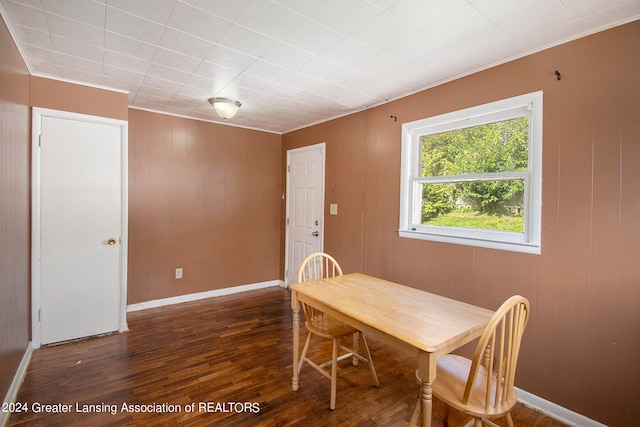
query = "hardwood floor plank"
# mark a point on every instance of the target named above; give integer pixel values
(224, 361)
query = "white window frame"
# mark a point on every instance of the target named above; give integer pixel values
(529, 105)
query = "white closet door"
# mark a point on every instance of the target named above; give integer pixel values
(80, 229)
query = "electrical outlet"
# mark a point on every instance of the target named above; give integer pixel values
(178, 273)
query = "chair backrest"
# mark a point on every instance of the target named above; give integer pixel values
(497, 352)
(318, 265)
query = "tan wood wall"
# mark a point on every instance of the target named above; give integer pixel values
(15, 131)
(203, 197)
(582, 343)
(63, 96)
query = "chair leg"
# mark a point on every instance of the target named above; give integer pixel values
(371, 367)
(334, 374)
(509, 419)
(445, 416)
(355, 348)
(414, 416)
(304, 352)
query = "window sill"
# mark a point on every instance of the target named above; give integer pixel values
(529, 248)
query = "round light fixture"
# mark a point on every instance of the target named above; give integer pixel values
(226, 108)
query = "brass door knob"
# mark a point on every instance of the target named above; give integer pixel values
(111, 241)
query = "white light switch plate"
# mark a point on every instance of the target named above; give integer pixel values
(333, 209)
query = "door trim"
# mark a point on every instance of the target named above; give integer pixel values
(323, 147)
(36, 129)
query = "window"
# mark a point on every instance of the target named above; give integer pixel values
(474, 176)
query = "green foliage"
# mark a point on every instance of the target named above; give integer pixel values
(492, 195)
(441, 200)
(513, 223)
(493, 147)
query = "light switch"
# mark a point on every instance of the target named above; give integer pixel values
(178, 273)
(333, 209)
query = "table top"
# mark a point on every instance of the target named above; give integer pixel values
(426, 321)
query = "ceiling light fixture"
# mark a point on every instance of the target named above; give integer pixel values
(225, 107)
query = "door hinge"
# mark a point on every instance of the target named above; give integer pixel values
(40, 140)
(39, 315)
(287, 221)
(289, 168)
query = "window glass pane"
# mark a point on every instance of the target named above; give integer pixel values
(464, 173)
(494, 147)
(489, 205)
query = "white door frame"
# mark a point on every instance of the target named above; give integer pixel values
(322, 146)
(36, 130)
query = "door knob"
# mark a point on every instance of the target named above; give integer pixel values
(315, 233)
(111, 241)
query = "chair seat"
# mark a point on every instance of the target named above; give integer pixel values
(451, 379)
(328, 327)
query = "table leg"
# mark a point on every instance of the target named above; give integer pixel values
(427, 374)
(295, 306)
(426, 403)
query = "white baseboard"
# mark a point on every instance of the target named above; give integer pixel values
(202, 295)
(12, 393)
(556, 411)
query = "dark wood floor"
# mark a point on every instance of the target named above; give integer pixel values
(230, 357)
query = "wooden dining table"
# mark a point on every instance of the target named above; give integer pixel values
(420, 323)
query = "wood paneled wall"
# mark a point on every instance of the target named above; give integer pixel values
(202, 197)
(583, 341)
(63, 96)
(15, 145)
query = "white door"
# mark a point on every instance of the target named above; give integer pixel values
(80, 231)
(305, 206)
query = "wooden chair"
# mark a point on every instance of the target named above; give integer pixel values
(484, 387)
(317, 266)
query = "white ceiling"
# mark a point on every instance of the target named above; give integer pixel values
(291, 63)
